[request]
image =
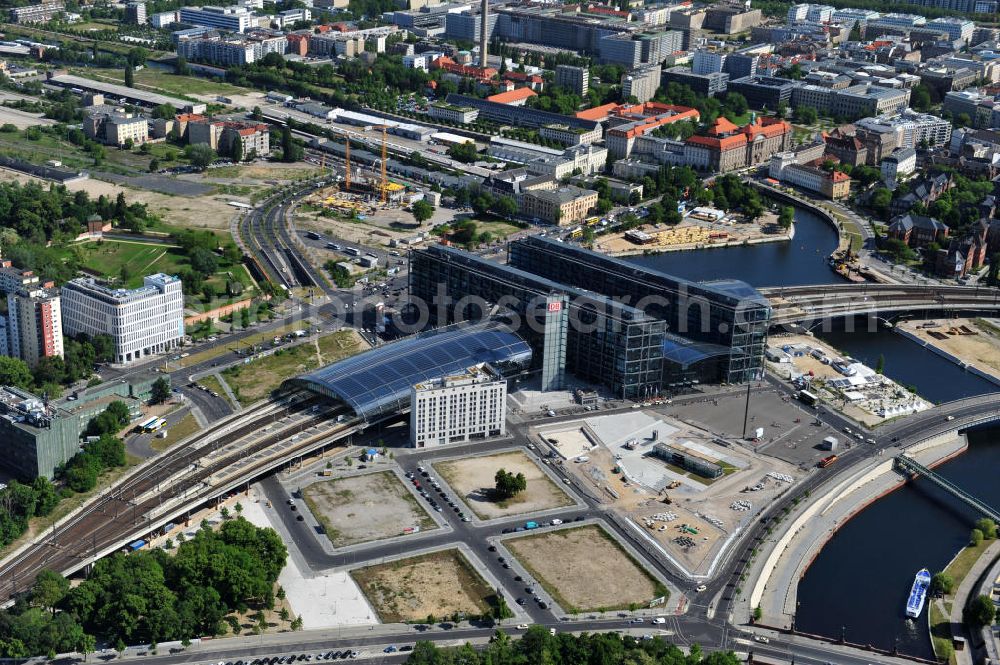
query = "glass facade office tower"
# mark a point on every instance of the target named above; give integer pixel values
(729, 313)
(606, 342)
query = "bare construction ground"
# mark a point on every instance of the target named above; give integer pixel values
(207, 212)
(585, 569)
(359, 509)
(473, 478)
(975, 341)
(688, 516)
(437, 585)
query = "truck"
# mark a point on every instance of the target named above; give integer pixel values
(312, 235)
(807, 398)
(827, 461)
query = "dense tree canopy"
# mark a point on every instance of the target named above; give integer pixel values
(538, 646)
(149, 596)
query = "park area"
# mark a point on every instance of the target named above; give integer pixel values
(255, 381)
(426, 587)
(360, 509)
(585, 569)
(474, 479)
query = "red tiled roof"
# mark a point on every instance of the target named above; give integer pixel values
(512, 96)
(597, 113)
(722, 126)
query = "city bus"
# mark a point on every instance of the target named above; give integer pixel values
(152, 425)
(807, 397)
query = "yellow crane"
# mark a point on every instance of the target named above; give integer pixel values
(385, 182)
(347, 163)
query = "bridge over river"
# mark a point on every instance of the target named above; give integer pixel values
(810, 305)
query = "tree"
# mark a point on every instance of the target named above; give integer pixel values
(736, 103)
(15, 372)
(464, 152)
(160, 391)
(182, 67)
(422, 211)
(236, 151)
(976, 538)
(980, 612)
(920, 97)
(130, 77)
(806, 115)
(508, 485)
(290, 150)
(988, 527)
(880, 201)
(86, 645)
(786, 217)
(200, 155)
(993, 276)
(506, 207)
(154, 165)
(880, 365)
(942, 583)
(855, 34)
(48, 590)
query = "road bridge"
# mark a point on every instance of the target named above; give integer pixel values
(911, 468)
(809, 305)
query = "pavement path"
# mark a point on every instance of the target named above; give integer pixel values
(969, 586)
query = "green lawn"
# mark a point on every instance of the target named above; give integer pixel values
(498, 228)
(257, 380)
(108, 257)
(739, 120)
(170, 84)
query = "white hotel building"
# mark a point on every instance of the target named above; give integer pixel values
(141, 321)
(457, 408)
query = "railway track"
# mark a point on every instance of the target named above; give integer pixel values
(119, 513)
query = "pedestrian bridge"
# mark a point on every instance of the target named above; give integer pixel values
(810, 305)
(910, 468)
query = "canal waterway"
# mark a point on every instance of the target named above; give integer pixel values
(861, 578)
(859, 581)
(801, 260)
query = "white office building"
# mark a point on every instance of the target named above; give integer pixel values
(142, 321)
(911, 128)
(810, 13)
(233, 19)
(849, 16)
(453, 409)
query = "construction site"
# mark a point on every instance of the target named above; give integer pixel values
(358, 191)
(685, 490)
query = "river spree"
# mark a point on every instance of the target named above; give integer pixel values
(799, 261)
(860, 580)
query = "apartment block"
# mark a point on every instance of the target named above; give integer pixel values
(576, 79)
(34, 324)
(43, 12)
(641, 83)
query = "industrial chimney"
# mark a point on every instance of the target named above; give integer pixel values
(484, 34)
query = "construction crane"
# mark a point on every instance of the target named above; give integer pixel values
(385, 182)
(347, 163)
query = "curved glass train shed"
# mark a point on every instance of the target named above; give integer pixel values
(377, 383)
